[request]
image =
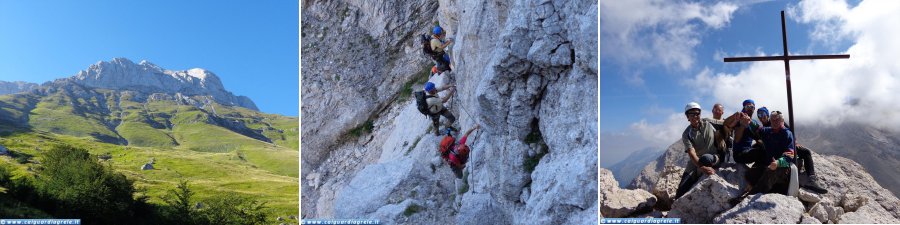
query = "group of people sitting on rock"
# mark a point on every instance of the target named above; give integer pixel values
(768, 144)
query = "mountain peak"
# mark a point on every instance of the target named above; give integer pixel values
(123, 74)
(199, 73)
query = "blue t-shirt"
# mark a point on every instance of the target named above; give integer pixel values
(746, 140)
(777, 143)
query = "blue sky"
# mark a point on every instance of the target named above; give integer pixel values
(656, 56)
(251, 45)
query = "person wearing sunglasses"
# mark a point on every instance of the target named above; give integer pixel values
(699, 143)
(744, 134)
(772, 173)
(804, 154)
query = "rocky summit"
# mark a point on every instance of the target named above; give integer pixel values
(524, 70)
(853, 195)
(146, 77)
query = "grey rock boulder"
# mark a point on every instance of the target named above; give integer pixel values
(764, 208)
(665, 187)
(809, 197)
(806, 219)
(826, 212)
(709, 197)
(852, 202)
(615, 202)
(869, 213)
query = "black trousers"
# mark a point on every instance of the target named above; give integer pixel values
(436, 118)
(692, 174)
(688, 178)
(769, 181)
(805, 160)
(755, 153)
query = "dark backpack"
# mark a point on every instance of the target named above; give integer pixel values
(421, 102)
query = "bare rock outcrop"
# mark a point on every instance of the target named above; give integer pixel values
(764, 208)
(853, 195)
(615, 202)
(709, 197)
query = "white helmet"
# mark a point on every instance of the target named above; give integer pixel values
(692, 105)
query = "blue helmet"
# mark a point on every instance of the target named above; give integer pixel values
(429, 86)
(437, 30)
(750, 101)
(762, 111)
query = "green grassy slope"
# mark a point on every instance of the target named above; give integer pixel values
(210, 173)
(186, 142)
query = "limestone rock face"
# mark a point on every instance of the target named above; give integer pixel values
(764, 208)
(525, 70)
(148, 78)
(663, 174)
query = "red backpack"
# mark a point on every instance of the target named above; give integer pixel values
(459, 158)
(446, 147)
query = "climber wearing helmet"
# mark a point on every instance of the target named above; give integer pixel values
(436, 106)
(438, 44)
(699, 143)
(456, 154)
(804, 154)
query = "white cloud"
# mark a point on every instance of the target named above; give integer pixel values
(863, 88)
(827, 15)
(661, 134)
(649, 30)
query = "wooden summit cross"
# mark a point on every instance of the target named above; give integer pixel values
(787, 67)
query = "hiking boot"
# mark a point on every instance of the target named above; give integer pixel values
(813, 185)
(437, 132)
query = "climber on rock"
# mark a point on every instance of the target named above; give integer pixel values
(438, 43)
(772, 173)
(456, 154)
(436, 107)
(804, 155)
(699, 143)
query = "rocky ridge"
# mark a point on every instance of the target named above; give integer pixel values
(148, 78)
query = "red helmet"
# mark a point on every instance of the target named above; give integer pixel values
(434, 70)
